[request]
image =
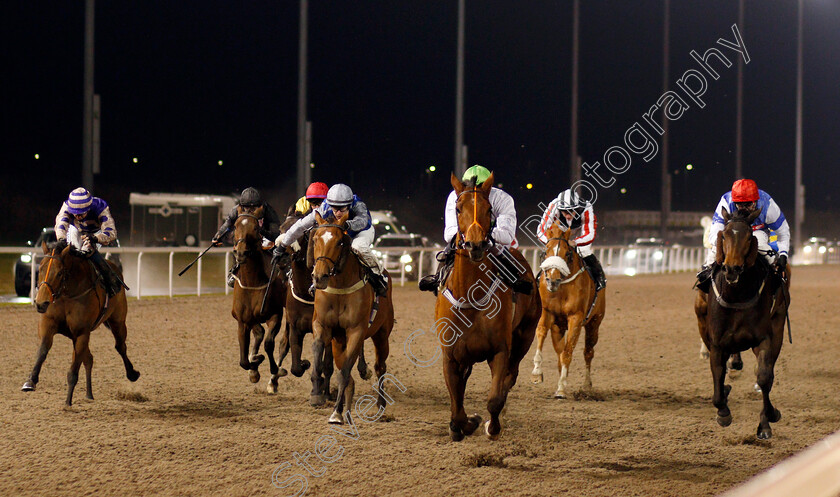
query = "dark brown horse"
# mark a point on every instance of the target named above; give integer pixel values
(569, 305)
(73, 303)
(252, 282)
(300, 306)
(344, 302)
(478, 318)
(746, 310)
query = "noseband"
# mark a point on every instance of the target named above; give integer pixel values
(461, 238)
(54, 294)
(334, 265)
(244, 239)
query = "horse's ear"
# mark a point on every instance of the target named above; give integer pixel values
(753, 253)
(725, 215)
(45, 248)
(66, 250)
(238, 209)
(456, 184)
(567, 234)
(290, 211)
(259, 211)
(318, 218)
(310, 253)
(754, 215)
(342, 218)
(719, 255)
(487, 185)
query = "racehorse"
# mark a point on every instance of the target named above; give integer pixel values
(344, 313)
(744, 311)
(569, 304)
(299, 308)
(479, 318)
(249, 290)
(73, 303)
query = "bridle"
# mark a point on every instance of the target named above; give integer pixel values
(244, 239)
(54, 294)
(569, 258)
(740, 268)
(335, 266)
(461, 238)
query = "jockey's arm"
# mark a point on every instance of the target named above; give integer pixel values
(505, 211)
(297, 230)
(776, 221)
(271, 222)
(62, 222)
(450, 218)
(547, 220)
(360, 220)
(588, 227)
(714, 229)
(107, 229)
(227, 225)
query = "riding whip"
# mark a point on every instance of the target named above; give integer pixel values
(196, 260)
(268, 286)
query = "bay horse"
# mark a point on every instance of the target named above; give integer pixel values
(251, 284)
(569, 305)
(744, 311)
(344, 305)
(73, 303)
(478, 317)
(300, 306)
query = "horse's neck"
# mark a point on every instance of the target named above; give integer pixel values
(252, 271)
(301, 276)
(79, 277)
(465, 273)
(350, 273)
(748, 283)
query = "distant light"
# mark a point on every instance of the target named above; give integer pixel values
(134, 160)
(376, 221)
(406, 258)
(26, 258)
(432, 168)
(807, 249)
(657, 256)
(630, 271)
(624, 190)
(822, 249)
(689, 167)
(37, 156)
(221, 162)
(311, 165)
(408, 267)
(529, 186)
(631, 254)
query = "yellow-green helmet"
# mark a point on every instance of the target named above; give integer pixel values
(480, 173)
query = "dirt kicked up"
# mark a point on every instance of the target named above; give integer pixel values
(194, 425)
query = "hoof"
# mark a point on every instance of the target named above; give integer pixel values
(317, 400)
(256, 358)
(536, 378)
(282, 372)
(473, 422)
(487, 431)
(757, 388)
(704, 354)
(305, 364)
(365, 374)
(724, 420)
(763, 434)
(336, 419)
(254, 375)
(28, 386)
(777, 415)
(559, 395)
(455, 436)
(133, 376)
(271, 387)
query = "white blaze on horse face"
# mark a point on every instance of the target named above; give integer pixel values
(326, 237)
(245, 221)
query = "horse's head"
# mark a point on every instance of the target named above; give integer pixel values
(52, 275)
(300, 246)
(329, 246)
(559, 257)
(474, 216)
(247, 238)
(737, 248)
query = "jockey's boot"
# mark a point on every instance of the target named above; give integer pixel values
(511, 274)
(431, 282)
(111, 281)
(593, 267)
(231, 273)
(704, 277)
(379, 284)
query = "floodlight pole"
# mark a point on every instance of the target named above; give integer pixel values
(87, 114)
(460, 165)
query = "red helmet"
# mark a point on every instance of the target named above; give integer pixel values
(744, 190)
(317, 190)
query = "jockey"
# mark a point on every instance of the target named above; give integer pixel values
(315, 194)
(569, 212)
(745, 195)
(340, 199)
(249, 202)
(91, 217)
(502, 234)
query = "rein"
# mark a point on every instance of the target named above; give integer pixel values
(337, 267)
(737, 305)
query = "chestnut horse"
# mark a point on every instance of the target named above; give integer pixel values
(250, 287)
(72, 303)
(486, 321)
(569, 304)
(300, 306)
(744, 312)
(344, 303)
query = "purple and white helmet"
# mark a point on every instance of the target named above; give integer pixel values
(79, 201)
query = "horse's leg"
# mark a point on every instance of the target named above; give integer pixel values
(326, 374)
(295, 337)
(575, 322)
(382, 348)
(717, 362)
(543, 328)
(701, 308)
(274, 367)
(88, 362)
(346, 352)
(592, 328)
(766, 354)
(244, 335)
(80, 352)
(364, 371)
(117, 326)
(456, 377)
(254, 356)
(316, 396)
(704, 352)
(46, 328)
(498, 393)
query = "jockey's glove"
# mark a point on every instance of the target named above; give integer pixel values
(280, 256)
(781, 262)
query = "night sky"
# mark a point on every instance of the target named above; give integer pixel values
(186, 84)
